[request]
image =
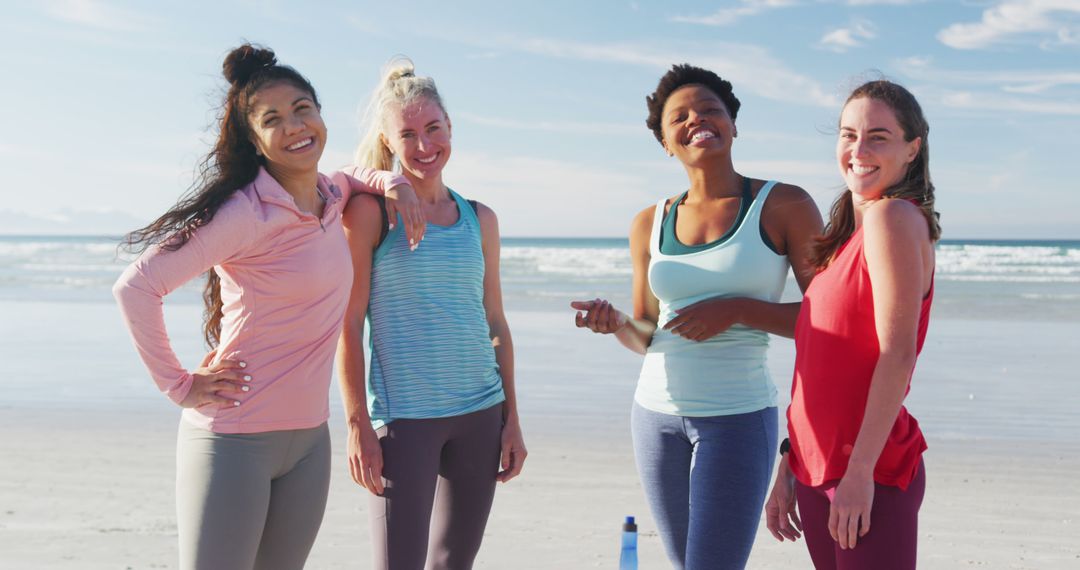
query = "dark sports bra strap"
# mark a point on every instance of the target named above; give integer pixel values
(385, 220)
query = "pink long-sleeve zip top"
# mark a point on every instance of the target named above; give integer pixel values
(285, 281)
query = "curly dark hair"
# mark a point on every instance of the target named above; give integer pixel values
(680, 76)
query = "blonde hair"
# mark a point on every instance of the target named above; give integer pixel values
(398, 86)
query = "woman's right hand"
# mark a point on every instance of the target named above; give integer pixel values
(211, 382)
(600, 316)
(781, 518)
(365, 456)
(401, 199)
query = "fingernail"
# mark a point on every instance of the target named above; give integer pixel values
(390, 226)
(247, 378)
(235, 403)
(412, 241)
(245, 388)
(243, 365)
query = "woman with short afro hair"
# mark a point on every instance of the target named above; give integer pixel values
(709, 268)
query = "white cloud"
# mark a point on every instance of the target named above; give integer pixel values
(727, 16)
(1013, 20)
(98, 14)
(843, 39)
(747, 66)
(1024, 81)
(994, 102)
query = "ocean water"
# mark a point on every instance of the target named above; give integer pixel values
(998, 362)
(999, 280)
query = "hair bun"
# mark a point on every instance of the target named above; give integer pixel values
(398, 67)
(244, 61)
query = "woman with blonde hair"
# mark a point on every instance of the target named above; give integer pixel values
(436, 413)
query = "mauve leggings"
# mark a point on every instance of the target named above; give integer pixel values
(894, 527)
(439, 475)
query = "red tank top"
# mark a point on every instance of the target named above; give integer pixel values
(836, 351)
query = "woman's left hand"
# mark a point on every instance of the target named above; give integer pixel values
(401, 199)
(849, 515)
(705, 319)
(513, 453)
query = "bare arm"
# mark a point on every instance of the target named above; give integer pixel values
(400, 196)
(899, 260)
(363, 222)
(600, 316)
(513, 444)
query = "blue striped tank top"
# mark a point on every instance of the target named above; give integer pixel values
(431, 352)
(725, 374)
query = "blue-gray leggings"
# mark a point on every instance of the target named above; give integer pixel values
(705, 480)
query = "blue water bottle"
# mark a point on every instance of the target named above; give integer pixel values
(628, 557)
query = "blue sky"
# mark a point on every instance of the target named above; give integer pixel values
(107, 103)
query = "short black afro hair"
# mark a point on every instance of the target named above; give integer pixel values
(681, 76)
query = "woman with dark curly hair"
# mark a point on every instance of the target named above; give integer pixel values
(855, 452)
(709, 268)
(253, 451)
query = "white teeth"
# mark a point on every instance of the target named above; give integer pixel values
(427, 160)
(860, 169)
(300, 144)
(702, 135)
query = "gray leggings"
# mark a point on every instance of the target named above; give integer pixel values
(252, 500)
(445, 465)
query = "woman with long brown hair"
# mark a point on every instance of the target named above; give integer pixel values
(855, 453)
(253, 450)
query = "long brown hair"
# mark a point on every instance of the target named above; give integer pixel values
(916, 184)
(230, 165)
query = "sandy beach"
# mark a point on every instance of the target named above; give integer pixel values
(88, 450)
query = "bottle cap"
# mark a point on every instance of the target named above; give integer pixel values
(629, 525)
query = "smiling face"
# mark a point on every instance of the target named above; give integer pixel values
(287, 128)
(871, 151)
(418, 134)
(696, 125)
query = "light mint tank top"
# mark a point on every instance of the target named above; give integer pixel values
(725, 374)
(431, 353)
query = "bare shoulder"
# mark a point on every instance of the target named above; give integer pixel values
(890, 221)
(791, 198)
(362, 210)
(489, 222)
(486, 216)
(893, 215)
(643, 221)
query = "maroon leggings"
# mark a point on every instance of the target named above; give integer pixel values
(894, 527)
(440, 477)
